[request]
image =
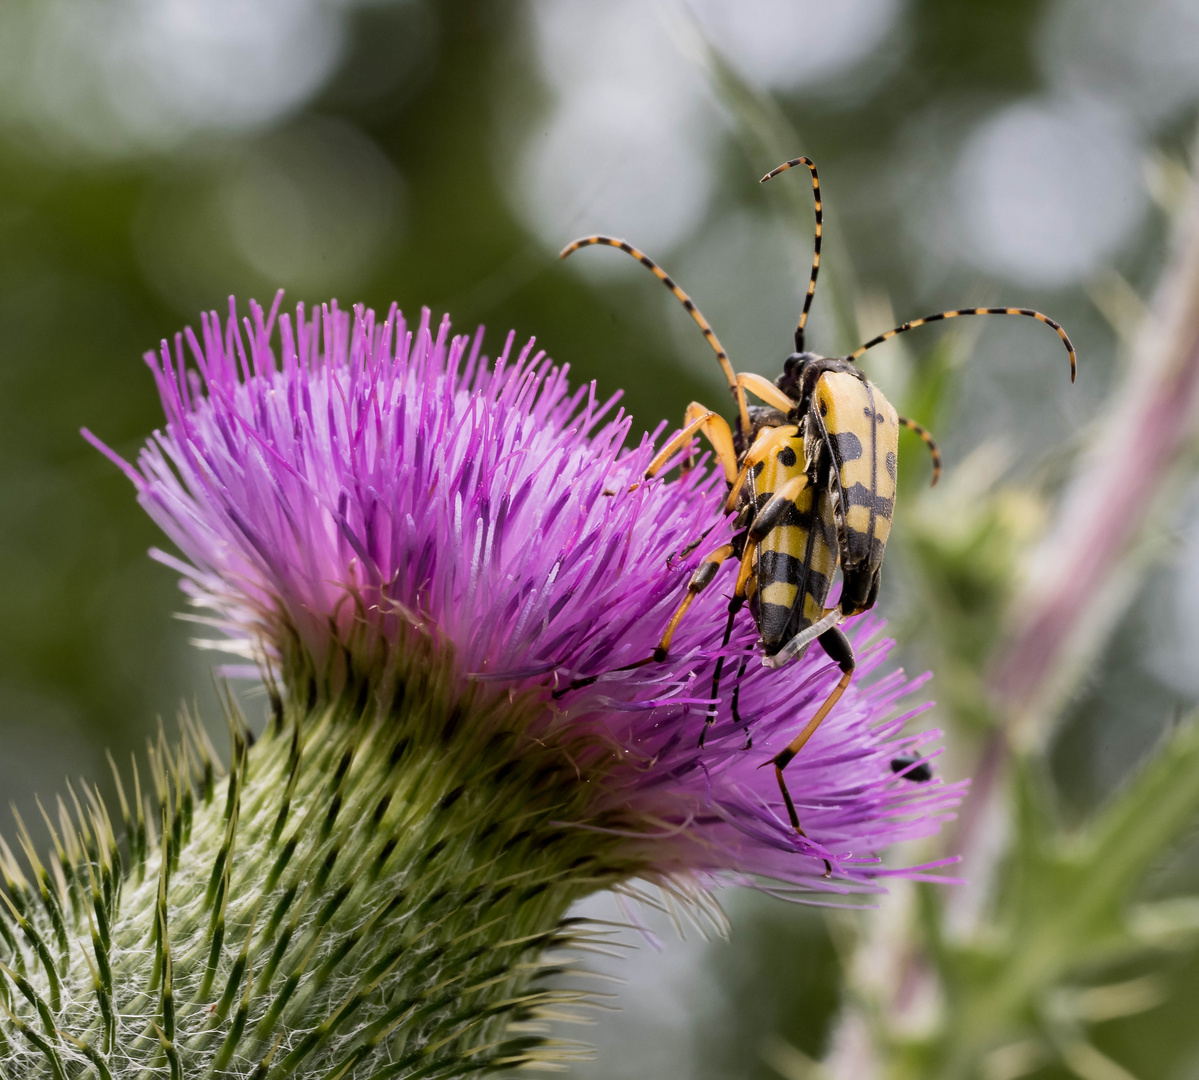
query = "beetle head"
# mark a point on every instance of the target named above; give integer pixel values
(791, 381)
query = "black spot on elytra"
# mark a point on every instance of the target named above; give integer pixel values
(891, 464)
(847, 445)
(860, 495)
(787, 457)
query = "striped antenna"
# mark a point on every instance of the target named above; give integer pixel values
(807, 300)
(723, 357)
(1028, 312)
(930, 442)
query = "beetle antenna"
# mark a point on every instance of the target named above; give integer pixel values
(975, 311)
(930, 442)
(807, 302)
(734, 387)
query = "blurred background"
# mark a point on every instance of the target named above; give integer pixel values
(157, 155)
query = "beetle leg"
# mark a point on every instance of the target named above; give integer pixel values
(760, 528)
(691, 425)
(768, 440)
(836, 644)
(737, 697)
(578, 684)
(700, 580)
(688, 548)
(715, 427)
(718, 433)
(710, 718)
(766, 391)
(767, 518)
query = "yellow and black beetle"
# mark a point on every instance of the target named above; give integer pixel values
(812, 479)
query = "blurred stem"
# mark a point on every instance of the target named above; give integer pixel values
(1081, 579)
(1059, 907)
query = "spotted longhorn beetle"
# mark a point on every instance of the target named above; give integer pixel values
(812, 479)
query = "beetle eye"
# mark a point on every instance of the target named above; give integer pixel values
(797, 361)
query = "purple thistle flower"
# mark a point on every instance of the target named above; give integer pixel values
(354, 488)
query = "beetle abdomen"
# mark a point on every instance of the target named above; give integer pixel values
(797, 559)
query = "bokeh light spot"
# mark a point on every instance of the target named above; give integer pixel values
(1046, 192)
(785, 44)
(135, 75)
(313, 206)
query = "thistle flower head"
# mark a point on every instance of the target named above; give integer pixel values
(360, 503)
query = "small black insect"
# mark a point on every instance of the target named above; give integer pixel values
(912, 768)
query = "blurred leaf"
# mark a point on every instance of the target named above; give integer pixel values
(1065, 911)
(781, 978)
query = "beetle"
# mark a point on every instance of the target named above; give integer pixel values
(912, 767)
(812, 479)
